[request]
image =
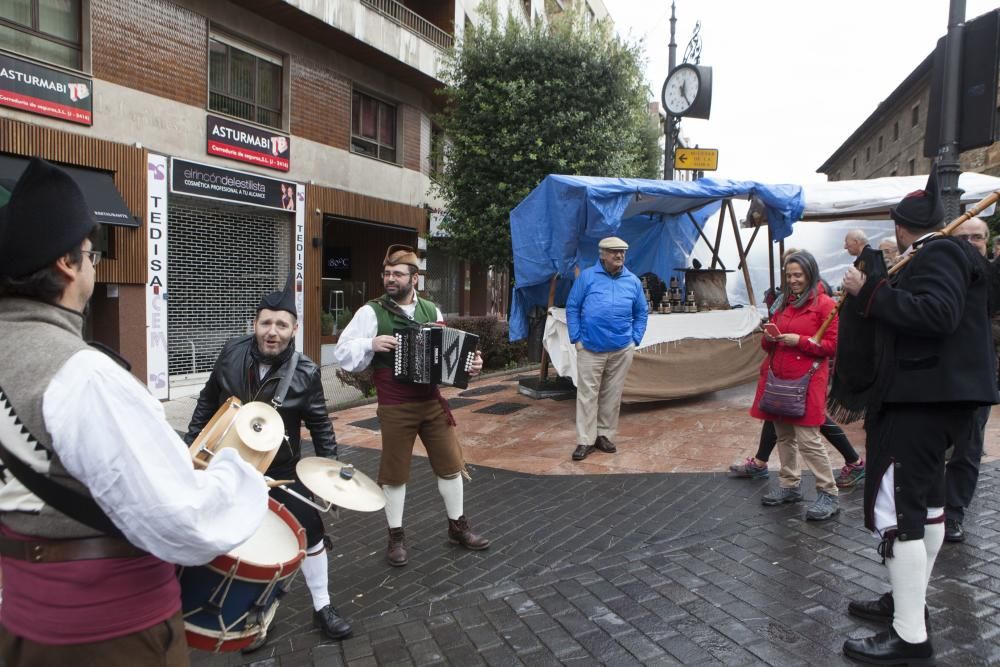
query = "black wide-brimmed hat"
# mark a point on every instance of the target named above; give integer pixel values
(282, 300)
(921, 209)
(46, 217)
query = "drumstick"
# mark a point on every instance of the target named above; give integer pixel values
(271, 483)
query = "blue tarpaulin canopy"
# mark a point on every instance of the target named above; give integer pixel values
(559, 224)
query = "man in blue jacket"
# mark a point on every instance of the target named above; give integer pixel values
(606, 315)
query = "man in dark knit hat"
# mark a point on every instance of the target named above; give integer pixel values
(98, 496)
(252, 368)
(936, 368)
(407, 410)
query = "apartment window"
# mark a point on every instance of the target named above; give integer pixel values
(48, 30)
(244, 81)
(913, 167)
(880, 143)
(868, 153)
(915, 116)
(895, 131)
(373, 127)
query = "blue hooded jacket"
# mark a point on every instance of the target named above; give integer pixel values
(606, 312)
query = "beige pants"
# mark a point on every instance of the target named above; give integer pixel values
(792, 440)
(600, 379)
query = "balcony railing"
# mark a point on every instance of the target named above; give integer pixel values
(412, 21)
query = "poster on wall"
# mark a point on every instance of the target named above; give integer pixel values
(157, 371)
(245, 143)
(213, 182)
(45, 91)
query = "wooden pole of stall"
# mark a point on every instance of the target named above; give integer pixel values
(543, 372)
(739, 249)
(718, 236)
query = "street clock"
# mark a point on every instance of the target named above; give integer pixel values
(687, 91)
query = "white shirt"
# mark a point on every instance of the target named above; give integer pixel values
(354, 347)
(112, 436)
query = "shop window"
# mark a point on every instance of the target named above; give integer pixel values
(373, 127)
(244, 82)
(47, 30)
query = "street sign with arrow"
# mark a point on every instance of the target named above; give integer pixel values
(696, 159)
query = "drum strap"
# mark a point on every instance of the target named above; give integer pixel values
(286, 381)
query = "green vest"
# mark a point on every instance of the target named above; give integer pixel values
(387, 321)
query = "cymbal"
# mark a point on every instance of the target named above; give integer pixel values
(340, 483)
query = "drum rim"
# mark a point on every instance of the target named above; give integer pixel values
(257, 572)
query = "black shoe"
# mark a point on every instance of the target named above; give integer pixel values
(886, 648)
(605, 445)
(582, 451)
(332, 625)
(953, 531)
(880, 610)
(257, 644)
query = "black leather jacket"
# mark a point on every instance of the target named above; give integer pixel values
(303, 403)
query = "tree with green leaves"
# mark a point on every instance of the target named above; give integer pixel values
(522, 102)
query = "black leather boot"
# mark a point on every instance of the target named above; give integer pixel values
(329, 621)
(887, 648)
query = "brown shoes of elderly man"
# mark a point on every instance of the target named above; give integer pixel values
(459, 532)
(602, 443)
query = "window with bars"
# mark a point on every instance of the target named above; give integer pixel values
(244, 82)
(48, 30)
(373, 127)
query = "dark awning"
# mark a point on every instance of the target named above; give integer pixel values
(98, 187)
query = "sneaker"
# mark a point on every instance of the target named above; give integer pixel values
(851, 474)
(748, 470)
(781, 495)
(825, 507)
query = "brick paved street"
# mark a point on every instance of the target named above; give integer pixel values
(657, 569)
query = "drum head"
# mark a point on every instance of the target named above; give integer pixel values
(276, 541)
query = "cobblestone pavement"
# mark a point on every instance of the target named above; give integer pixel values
(656, 569)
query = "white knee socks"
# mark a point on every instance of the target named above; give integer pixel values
(316, 571)
(933, 539)
(395, 498)
(452, 492)
(909, 589)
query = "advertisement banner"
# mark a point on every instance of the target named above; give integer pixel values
(157, 372)
(246, 143)
(45, 91)
(212, 182)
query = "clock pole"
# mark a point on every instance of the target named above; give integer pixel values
(949, 167)
(671, 120)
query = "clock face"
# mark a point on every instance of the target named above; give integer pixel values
(681, 89)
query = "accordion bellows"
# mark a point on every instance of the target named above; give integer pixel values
(434, 355)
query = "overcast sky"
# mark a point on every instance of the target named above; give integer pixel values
(792, 78)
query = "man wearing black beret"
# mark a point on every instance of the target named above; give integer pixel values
(936, 366)
(98, 496)
(251, 368)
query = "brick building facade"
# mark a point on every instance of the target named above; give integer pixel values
(890, 142)
(342, 92)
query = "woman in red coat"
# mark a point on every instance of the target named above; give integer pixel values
(792, 354)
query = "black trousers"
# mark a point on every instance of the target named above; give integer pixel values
(912, 438)
(830, 430)
(307, 515)
(962, 470)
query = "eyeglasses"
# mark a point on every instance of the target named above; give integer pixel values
(398, 275)
(971, 237)
(95, 256)
(614, 253)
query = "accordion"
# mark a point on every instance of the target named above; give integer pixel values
(434, 355)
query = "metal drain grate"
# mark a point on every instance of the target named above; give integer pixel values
(370, 424)
(482, 391)
(456, 403)
(502, 408)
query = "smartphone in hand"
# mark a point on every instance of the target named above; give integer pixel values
(771, 329)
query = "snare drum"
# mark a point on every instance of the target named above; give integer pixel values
(230, 601)
(255, 430)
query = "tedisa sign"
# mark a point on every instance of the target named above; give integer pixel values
(157, 371)
(300, 260)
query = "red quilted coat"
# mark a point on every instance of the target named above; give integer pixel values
(792, 362)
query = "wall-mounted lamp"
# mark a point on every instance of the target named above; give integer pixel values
(317, 242)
